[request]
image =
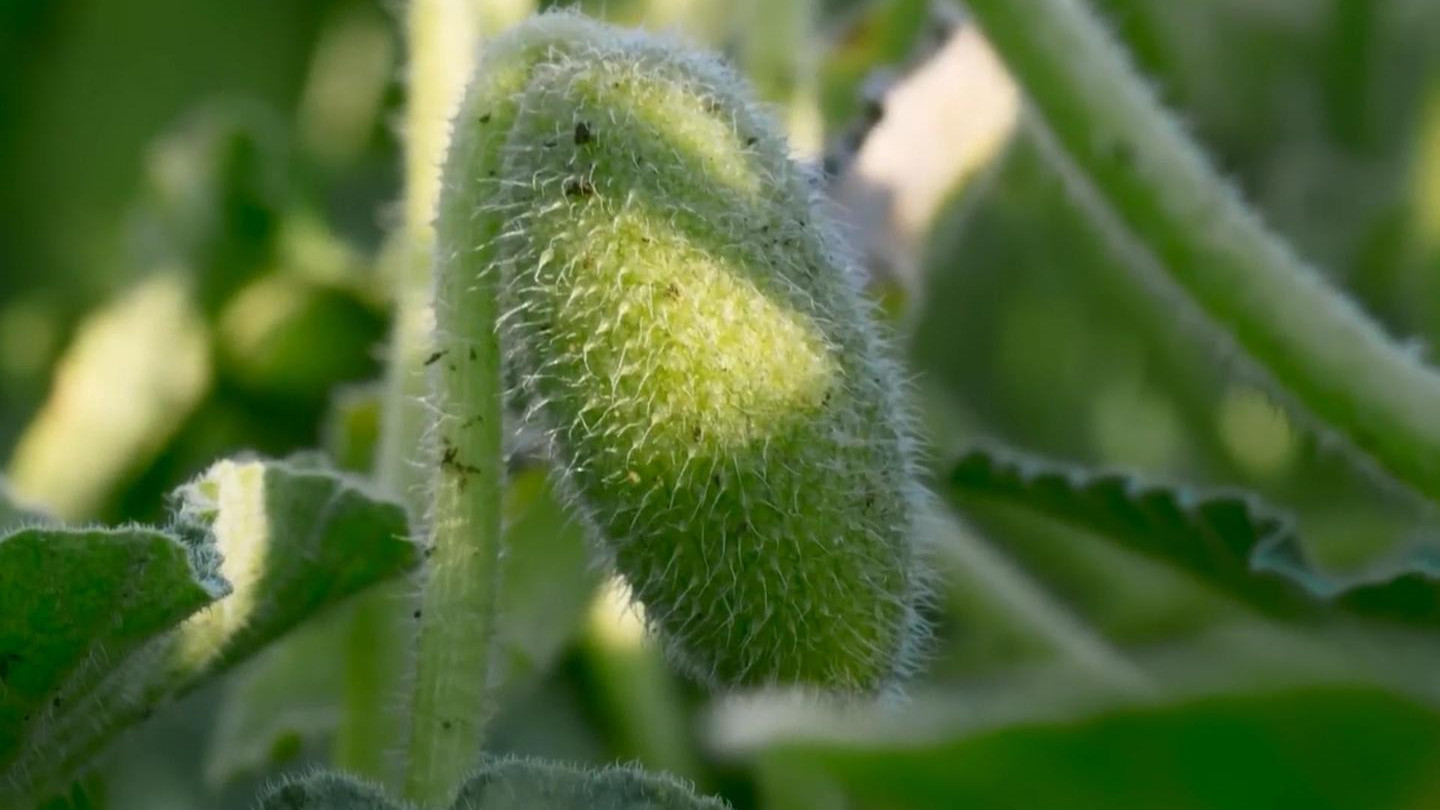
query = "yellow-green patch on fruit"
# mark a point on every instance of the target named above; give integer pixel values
(679, 317)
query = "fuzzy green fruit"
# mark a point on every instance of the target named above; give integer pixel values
(678, 317)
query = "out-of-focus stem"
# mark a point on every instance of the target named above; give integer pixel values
(1137, 171)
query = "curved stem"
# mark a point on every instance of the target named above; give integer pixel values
(1139, 171)
(441, 36)
(456, 613)
(457, 608)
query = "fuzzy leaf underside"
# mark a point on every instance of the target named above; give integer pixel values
(328, 791)
(509, 784)
(75, 603)
(294, 540)
(1212, 536)
(1228, 540)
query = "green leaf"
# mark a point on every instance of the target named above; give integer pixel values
(295, 540)
(519, 784)
(280, 703)
(1228, 540)
(327, 791)
(1405, 591)
(548, 581)
(1317, 747)
(289, 696)
(76, 602)
(1213, 536)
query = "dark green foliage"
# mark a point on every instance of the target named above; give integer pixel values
(101, 626)
(287, 700)
(1325, 748)
(1227, 540)
(76, 603)
(1212, 536)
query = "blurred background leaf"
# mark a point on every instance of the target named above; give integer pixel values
(1322, 747)
(12, 512)
(280, 706)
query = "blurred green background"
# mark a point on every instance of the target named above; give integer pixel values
(194, 203)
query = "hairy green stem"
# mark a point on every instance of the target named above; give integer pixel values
(1140, 171)
(456, 612)
(443, 35)
(457, 609)
(457, 606)
(440, 36)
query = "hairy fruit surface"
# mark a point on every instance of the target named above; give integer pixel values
(679, 318)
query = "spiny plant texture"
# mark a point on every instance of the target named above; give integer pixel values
(680, 318)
